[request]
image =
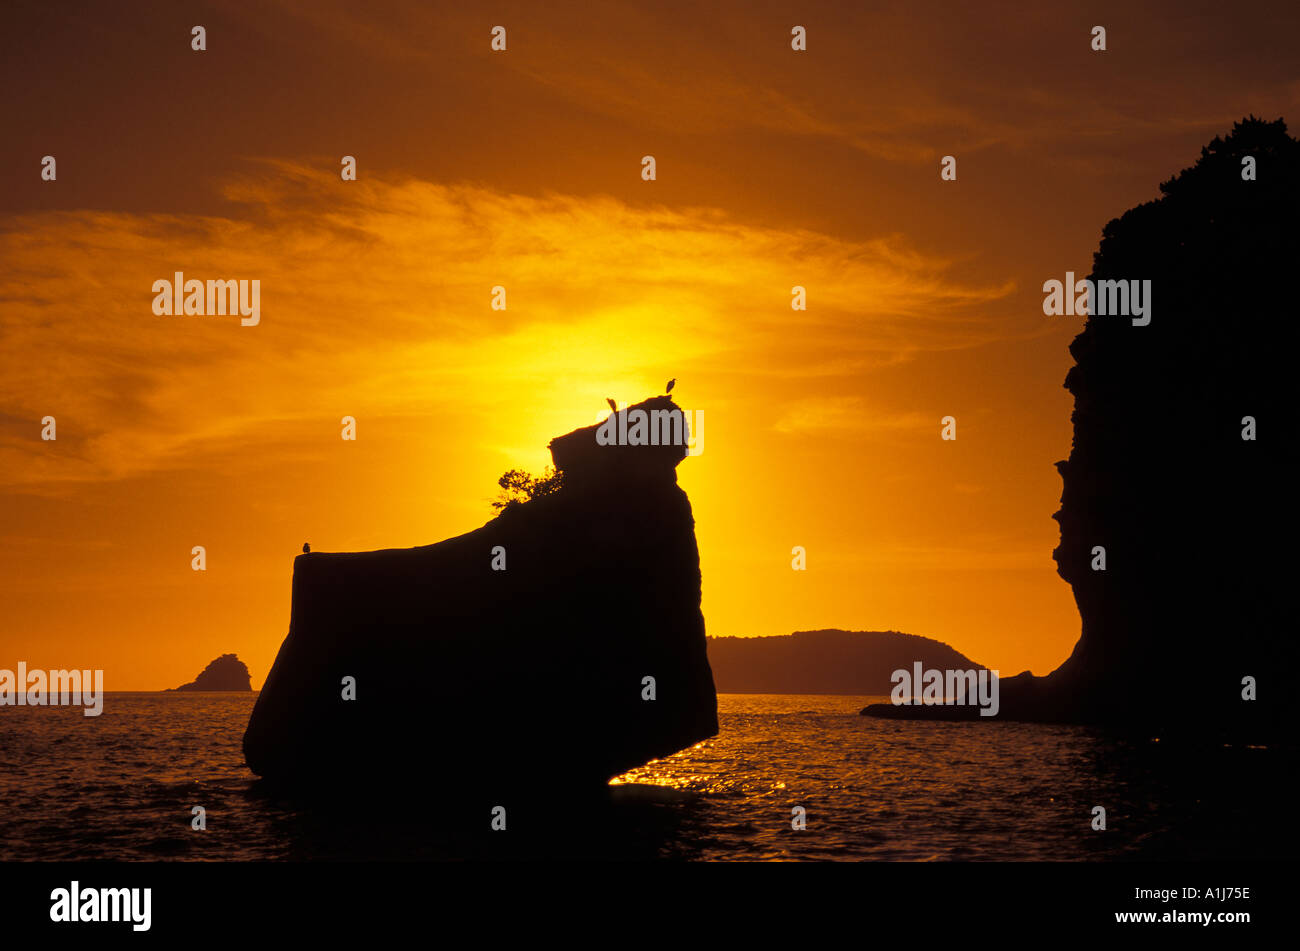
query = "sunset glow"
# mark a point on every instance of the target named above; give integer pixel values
(822, 426)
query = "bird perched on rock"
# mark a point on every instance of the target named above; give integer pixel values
(671, 384)
(305, 548)
(612, 404)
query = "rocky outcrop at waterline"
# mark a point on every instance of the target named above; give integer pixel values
(560, 644)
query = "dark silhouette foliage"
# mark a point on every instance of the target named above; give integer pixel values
(518, 487)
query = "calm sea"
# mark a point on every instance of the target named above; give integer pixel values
(123, 785)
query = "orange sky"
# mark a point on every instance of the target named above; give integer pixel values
(523, 169)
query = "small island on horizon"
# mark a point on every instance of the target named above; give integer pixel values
(226, 673)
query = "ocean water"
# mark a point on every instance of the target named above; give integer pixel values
(122, 786)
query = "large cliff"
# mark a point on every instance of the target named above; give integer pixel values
(528, 676)
(1193, 517)
(1195, 520)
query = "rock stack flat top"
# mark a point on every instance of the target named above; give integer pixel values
(645, 440)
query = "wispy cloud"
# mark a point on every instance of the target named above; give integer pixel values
(378, 292)
(729, 69)
(847, 414)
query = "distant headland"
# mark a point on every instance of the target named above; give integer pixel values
(227, 672)
(827, 662)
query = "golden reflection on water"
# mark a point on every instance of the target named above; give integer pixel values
(871, 789)
(669, 773)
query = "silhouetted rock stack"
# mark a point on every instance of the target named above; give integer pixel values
(1196, 522)
(530, 676)
(227, 672)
